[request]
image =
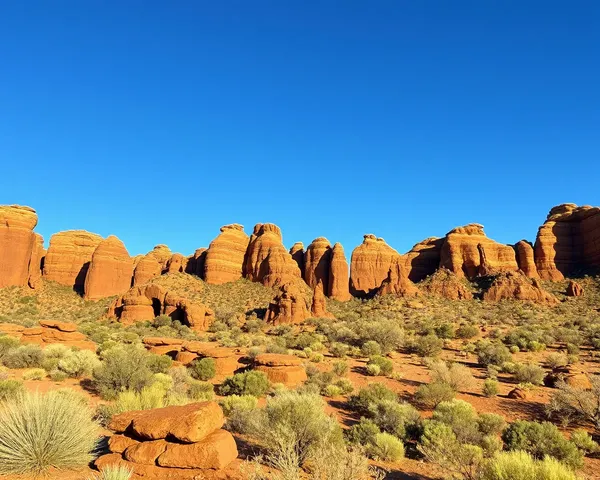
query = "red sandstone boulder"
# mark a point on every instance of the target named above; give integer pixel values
(290, 306)
(317, 261)
(525, 259)
(467, 251)
(518, 394)
(444, 283)
(145, 453)
(69, 256)
(279, 368)
(338, 275)
(17, 244)
(397, 282)
(423, 259)
(574, 289)
(225, 255)
(516, 286)
(297, 253)
(277, 360)
(120, 443)
(370, 265)
(110, 270)
(216, 451)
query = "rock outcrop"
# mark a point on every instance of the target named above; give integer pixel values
(525, 259)
(175, 263)
(397, 281)
(162, 254)
(17, 244)
(48, 332)
(110, 270)
(423, 259)
(225, 255)
(69, 256)
(172, 442)
(267, 260)
(468, 252)
(148, 301)
(318, 308)
(370, 265)
(297, 253)
(569, 240)
(317, 260)
(290, 306)
(339, 280)
(195, 263)
(574, 289)
(446, 284)
(147, 268)
(278, 368)
(516, 286)
(36, 262)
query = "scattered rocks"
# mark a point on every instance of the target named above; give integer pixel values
(518, 394)
(49, 332)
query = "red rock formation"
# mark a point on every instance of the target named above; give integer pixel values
(290, 306)
(464, 247)
(195, 263)
(69, 256)
(17, 243)
(516, 286)
(110, 270)
(397, 281)
(574, 289)
(567, 241)
(297, 253)
(267, 260)
(370, 265)
(35, 264)
(339, 288)
(278, 368)
(444, 283)
(175, 263)
(162, 254)
(317, 261)
(319, 304)
(225, 256)
(49, 332)
(423, 259)
(146, 269)
(525, 259)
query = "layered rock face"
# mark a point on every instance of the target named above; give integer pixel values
(516, 286)
(182, 442)
(278, 368)
(110, 270)
(147, 268)
(267, 260)
(290, 306)
(370, 265)
(162, 254)
(17, 244)
(423, 259)
(468, 252)
(318, 308)
(525, 259)
(48, 332)
(225, 256)
(69, 256)
(195, 263)
(148, 301)
(397, 281)
(36, 262)
(317, 260)
(567, 241)
(339, 288)
(175, 263)
(444, 283)
(297, 253)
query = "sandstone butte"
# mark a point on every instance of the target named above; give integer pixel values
(444, 283)
(69, 256)
(147, 268)
(195, 263)
(290, 306)
(225, 256)
(568, 240)
(397, 281)
(267, 260)
(35, 263)
(17, 244)
(525, 259)
(110, 270)
(317, 260)
(370, 265)
(423, 259)
(297, 253)
(162, 255)
(467, 249)
(338, 275)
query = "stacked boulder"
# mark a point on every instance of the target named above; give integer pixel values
(180, 442)
(48, 332)
(280, 368)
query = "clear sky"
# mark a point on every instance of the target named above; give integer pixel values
(161, 121)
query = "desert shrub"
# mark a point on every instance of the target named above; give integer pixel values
(531, 338)
(363, 433)
(241, 412)
(389, 336)
(386, 366)
(491, 424)
(491, 353)
(371, 394)
(53, 353)
(573, 403)
(370, 348)
(584, 442)
(79, 364)
(386, 447)
(339, 350)
(10, 389)
(57, 375)
(461, 417)
(25, 356)
(467, 331)
(556, 360)
(158, 363)
(201, 391)
(432, 394)
(540, 440)
(520, 465)
(456, 375)
(113, 472)
(373, 370)
(445, 330)
(34, 374)
(7, 344)
(123, 368)
(340, 368)
(153, 396)
(529, 373)
(400, 419)
(490, 387)
(427, 345)
(203, 369)
(252, 382)
(38, 431)
(349, 464)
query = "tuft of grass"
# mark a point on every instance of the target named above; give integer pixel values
(113, 472)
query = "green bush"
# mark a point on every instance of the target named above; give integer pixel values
(373, 370)
(340, 368)
(386, 447)
(34, 374)
(520, 465)
(10, 389)
(148, 398)
(79, 364)
(570, 403)
(467, 331)
(252, 382)
(201, 391)
(371, 394)
(241, 413)
(25, 356)
(203, 369)
(456, 375)
(489, 353)
(38, 431)
(158, 363)
(386, 366)
(400, 419)
(529, 373)
(583, 441)
(428, 346)
(339, 350)
(7, 344)
(490, 387)
(363, 433)
(113, 472)
(432, 394)
(370, 348)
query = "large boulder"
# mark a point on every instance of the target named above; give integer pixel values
(225, 256)
(290, 306)
(525, 259)
(397, 281)
(317, 261)
(516, 286)
(17, 244)
(69, 256)
(423, 259)
(267, 260)
(279, 368)
(36, 262)
(574, 289)
(468, 252)
(370, 265)
(110, 270)
(339, 288)
(569, 240)
(146, 269)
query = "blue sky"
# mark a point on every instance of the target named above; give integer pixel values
(161, 121)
